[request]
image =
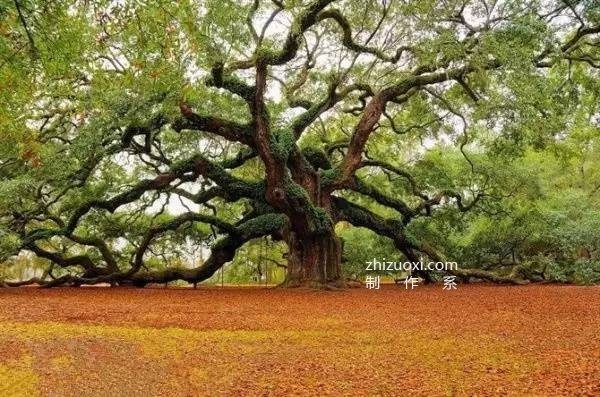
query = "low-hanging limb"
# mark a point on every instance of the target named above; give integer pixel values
(513, 278)
(175, 223)
(361, 217)
(230, 188)
(223, 251)
(42, 282)
(393, 229)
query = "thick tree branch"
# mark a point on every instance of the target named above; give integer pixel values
(231, 131)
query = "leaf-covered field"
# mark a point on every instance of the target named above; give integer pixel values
(479, 339)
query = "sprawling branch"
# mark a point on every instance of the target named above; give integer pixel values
(83, 261)
(317, 109)
(362, 217)
(188, 170)
(292, 43)
(437, 199)
(348, 40)
(392, 202)
(229, 130)
(173, 224)
(405, 174)
(222, 252)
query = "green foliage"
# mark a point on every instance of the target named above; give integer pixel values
(9, 244)
(516, 127)
(542, 215)
(282, 143)
(362, 246)
(329, 176)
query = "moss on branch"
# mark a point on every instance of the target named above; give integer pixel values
(282, 143)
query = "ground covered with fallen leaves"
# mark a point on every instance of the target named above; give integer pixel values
(476, 340)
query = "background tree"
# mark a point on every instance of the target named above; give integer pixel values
(131, 127)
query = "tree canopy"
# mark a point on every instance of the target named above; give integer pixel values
(132, 131)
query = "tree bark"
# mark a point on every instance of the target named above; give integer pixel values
(314, 261)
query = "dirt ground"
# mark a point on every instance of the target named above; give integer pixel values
(476, 340)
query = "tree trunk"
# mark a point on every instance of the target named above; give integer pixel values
(314, 261)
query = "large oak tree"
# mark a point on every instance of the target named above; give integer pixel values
(262, 118)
